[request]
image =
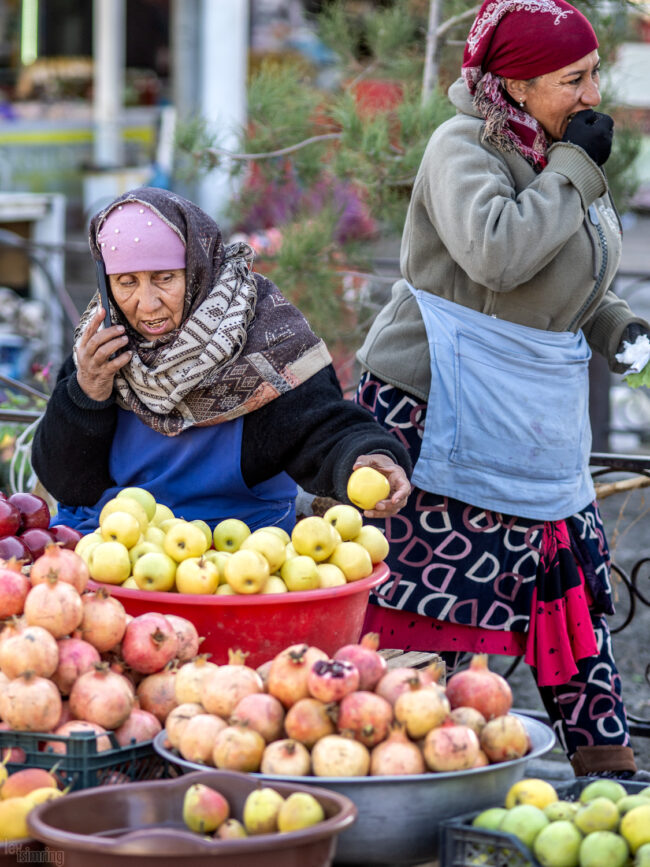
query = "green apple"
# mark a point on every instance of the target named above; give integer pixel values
(225, 590)
(300, 573)
(205, 528)
(121, 527)
(274, 584)
(86, 543)
(155, 534)
(313, 536)
(197, 575)
(155, 571)
(247, 571)
(269, 545)
(352, 559)
(130, 583)
(142, 496)
(219, 559)
(330, 575)
(162, 513)
(141, 549)
(168, 523)
(286, 538)
(125, 504)
(346, 519)
(374, 541)
(229, 534)
(109, 563)
(184, 540)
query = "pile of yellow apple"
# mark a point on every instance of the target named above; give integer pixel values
(141, 544)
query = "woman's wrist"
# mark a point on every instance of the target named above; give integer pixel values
(83, 400)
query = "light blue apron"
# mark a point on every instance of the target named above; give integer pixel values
(507, 425)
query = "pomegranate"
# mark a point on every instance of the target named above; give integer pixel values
(102, 741)
(308, 720)
(262, 712)
(287, 758)
(421, 708)
(176, 719)
(480, 688)
(370, 664)
(75, 657)
(101, 696)
(450, 748)
(149, 643)
(138, 727)
(340, 756)
(31, 704)
(104, 620)
(188, 637)
(224, 688)
(31, 648)
(399, 680)
(54, 605)
(263, 671)
(468, 716)
(61, 563)
(367, 715)
(156, 693)
(198, 737)
(189, 680)
(504, 738)
(238, 748)
(481, 760)
(396, 755)
(66, 716)
(331, 679)
(289, 671)
(14, 587)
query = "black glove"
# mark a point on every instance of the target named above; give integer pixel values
(632, 331)
(593, 132)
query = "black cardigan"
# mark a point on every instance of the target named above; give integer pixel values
(312, 433)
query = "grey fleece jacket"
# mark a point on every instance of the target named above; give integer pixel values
(483, 229)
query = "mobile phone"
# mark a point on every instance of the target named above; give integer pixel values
(102, 282)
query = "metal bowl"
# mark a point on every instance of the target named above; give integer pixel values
(399, 816)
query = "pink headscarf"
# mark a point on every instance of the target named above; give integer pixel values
(517, 39)
(134, 238)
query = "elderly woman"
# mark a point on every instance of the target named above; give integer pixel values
(478, 364)
(209, 389)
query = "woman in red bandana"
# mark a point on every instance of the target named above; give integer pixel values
(479, 365)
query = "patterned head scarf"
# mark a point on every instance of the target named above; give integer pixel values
(240, 343)
(520, 39)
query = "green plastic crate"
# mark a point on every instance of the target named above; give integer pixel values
(82, 767)
(461, 845)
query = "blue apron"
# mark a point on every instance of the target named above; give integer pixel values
(507, 425)
(197, 474)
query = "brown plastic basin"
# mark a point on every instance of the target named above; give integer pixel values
(140, 825)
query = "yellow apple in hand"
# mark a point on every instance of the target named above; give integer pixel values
(205, 528)
(346, 519)
(374, 541)
(162, 513)
(109, 563)
(142, 496)
(366, 487)
(300, 573)
(229, 534)
(197, 575)
(184, 540)
(125, 504)
(219, 559)
(246, 571)
(313, 536)
(330, 575)
(269, 545)
(155, 571)
(121, 527)
(353, 560)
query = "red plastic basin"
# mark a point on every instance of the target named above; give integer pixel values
(263, 625)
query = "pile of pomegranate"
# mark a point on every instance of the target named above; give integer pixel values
(73, 660)
(303, 713)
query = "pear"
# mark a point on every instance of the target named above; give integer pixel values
(23, 782)
(490, 818)
(204, 809)
(531, 790)
(558, 845)
(629, 802)
(603, 849)
(601, 814)
(602, 788)
(300, 810)
(39, 796)
(560, 810)
(635, 827)
(232, 829)
(13, 819)
(261, 810)
(642, 857)
(524, 821)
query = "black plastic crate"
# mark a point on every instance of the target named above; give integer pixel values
(461, 845)
(82, 766)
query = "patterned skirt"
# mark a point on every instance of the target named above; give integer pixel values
(463, 578)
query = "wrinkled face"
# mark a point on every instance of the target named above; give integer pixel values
(553, 99)
(152, 301)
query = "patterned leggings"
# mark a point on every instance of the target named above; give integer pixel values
(588, 710)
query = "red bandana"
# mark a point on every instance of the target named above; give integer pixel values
(521, 39)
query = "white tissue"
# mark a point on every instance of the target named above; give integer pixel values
(636, 354)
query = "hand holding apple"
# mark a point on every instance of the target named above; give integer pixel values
(399, 485)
